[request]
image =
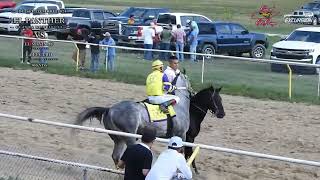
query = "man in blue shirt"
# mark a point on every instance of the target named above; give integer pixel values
(110, 51)
(193, 40)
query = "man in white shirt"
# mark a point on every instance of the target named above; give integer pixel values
(173, 69)
(170, 162)
(148, 35)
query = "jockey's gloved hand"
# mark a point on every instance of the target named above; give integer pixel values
(174, 88)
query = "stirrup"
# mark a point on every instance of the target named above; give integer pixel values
(163, 108)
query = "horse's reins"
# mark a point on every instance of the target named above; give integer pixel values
(199, 108)
(188, 89)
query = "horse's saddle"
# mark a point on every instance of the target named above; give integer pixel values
(155, 113)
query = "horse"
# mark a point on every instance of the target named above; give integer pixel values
(199, 106)
(132, 117)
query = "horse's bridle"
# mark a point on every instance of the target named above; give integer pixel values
(190, 90)
(210, 110)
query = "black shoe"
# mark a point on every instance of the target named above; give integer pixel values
(164, 109)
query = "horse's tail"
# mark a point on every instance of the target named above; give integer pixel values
(92, 112)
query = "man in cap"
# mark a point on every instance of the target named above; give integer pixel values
(137, 159)
(170, 161)
(156, 84)
(110, 51)
(165, 36)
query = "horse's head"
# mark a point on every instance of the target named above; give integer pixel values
(215, 104)
(210, 99)
(183, 82)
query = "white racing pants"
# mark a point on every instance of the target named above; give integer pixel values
(163, 98)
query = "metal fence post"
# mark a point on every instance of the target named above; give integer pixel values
(202, 74)
(85, 174)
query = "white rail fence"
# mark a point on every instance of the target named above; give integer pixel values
(85, 167)
(289, 63)
(208, 147)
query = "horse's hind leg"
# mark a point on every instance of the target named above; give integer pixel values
(118, 149)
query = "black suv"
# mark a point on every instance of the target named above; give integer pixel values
(90, 19)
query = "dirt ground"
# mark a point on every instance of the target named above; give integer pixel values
(277, 128)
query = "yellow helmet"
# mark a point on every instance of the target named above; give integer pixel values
(157, 64)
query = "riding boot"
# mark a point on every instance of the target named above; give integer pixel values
(164, 106)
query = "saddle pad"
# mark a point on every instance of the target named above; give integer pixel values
(155, 113)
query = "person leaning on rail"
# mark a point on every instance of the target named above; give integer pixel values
(171, 163)
(137, 159)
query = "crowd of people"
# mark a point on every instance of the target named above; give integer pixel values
(153, 39)
(83, 36)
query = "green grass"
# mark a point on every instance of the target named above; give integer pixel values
(237, 77)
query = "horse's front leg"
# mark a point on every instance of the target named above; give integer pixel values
(189, 152)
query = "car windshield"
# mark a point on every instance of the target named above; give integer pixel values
(305, 36)
(133, 11)
(24, 9)
(44, 1)
(81, 13)
(166, 19)
(309, 6)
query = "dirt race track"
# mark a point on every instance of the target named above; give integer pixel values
(277, 128)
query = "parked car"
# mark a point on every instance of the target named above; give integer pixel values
(142, 16)
(59, 3)
(132, 35)
(10, 21)
(302, 45)
(7, 4)
(308, 14)
(231, 38)
(90, 19)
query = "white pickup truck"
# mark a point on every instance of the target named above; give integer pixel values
(38, 14)
(132, 35)
(302, 45)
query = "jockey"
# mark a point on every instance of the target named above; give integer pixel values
(173, 69)
(156, 84)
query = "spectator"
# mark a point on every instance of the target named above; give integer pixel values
(193, 41)
(148, 36)
(191, 24)
(157, 38)
(110, 51)
(43, 46)
(137, 159)
(180, 39)
(131, 19)
(170, 161)
(166, 37)
(95, 52)
(80, 37)
(27, 43)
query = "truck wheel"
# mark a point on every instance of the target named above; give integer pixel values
(61, 36)
(208, 49)
(314, 21)
(258, 51)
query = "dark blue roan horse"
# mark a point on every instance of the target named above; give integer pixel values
(129, 116)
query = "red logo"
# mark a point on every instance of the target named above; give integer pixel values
(264, 16)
